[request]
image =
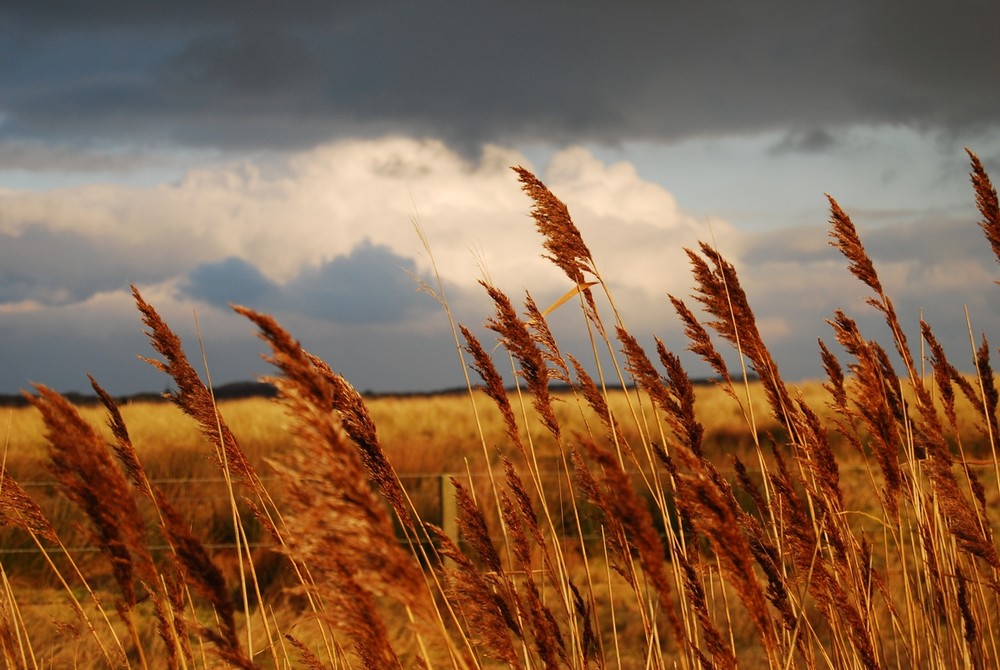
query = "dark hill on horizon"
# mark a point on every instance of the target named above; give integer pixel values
(231, 391)
(257, 389)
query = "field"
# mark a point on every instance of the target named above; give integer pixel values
(628, 519)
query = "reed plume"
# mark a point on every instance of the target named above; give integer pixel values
(193, 397)
(844, 236)
(514, 335)
(767, 555)
(700, 344)
(562, 238)
(89, 477)
(986, 202)
(170, 625)
(879, 381)
(991, 397)
(485, 594)
(720, 293)
(519, 500)
(123, 443)
(722, 655)
(357, 422)
(709, 509)
(549, 348)
(621, 507)
(337, 526)
(879, 411)
(492, 385)
(19, 510)
(586, 386)
(13, 641)
(945, 375)
(802, 544)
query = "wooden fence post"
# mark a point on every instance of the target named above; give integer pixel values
(449, 508)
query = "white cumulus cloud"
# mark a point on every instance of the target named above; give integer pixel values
(279, 229)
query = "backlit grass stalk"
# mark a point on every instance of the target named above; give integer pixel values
(15, 640)
(196, 399)
(568, 251)
(339, 529)
(90, 478)
(19, 510)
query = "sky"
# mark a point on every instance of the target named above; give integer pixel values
(278, 156)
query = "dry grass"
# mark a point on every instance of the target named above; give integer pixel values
(660, 525)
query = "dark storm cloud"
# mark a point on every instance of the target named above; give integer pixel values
(809, 141)
(156, 17)
(260, 71)
(370, 285)
(231, 280)
(253, 74)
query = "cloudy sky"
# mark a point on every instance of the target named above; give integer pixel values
(276, 155)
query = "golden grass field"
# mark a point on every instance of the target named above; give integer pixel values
(630, 520)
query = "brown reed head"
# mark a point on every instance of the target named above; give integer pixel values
(721, 294)
(193, 397)
(19, 510)
(516, 338)
(123, 447)
(562, 238)
(492, 384)
(357, 422)
(89, 477)
(699, 341)
(986, 202)
(845, 238)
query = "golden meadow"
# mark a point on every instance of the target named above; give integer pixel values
(625, 519)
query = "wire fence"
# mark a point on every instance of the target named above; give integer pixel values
(432, 495)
